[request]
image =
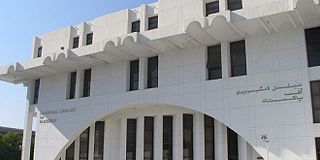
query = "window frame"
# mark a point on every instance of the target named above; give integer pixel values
(148, 137)
(89, 39)
(85, 140)
(167, 141)
(233, 140)
(209, 12)
(36, 91)
(188, 128)
(153, 72)
(75, 42)
(310, 43)
(86, 90)
(213, 68)
(235, 54)
(315, 96)
(232, 7)
(99, 140)
(39, 52)
(152, 26)
(131, 135)
(134, 76)
(135, 28)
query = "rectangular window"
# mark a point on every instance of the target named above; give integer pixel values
(89, 39)
(87, 83)
(131, 139)
(153, 72)
(214, 62)
(72, 87)
(238, 58)
(188, 137)
(318, 148)
(313, 46)
(148, 137)
(98, 140)
(234, 5)
(315, 97)
(134, 75)
(84, 145)
(232, 145)
(70, 152)
(36, 91)
(209, 137)
(212, 7)
(153, 23)
(75, 42)
(167, 137)
(135, 27)
(39, 52)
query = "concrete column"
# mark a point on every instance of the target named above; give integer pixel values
(223, 5)
(123, 136)
(143, 20)
(79, 84)
(107, 140)
(178, 137)
(142, 73)
(198, 136)
(158, 139)
(220, 141)
(225, 59)
(140, 138)
(91, 142)
(27, 132)
(82, 38)
(243, 151)
(76, 149)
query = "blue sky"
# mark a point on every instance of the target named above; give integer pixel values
(23, 19)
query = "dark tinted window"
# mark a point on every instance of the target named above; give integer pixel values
(212, 7)
(315, 97)
(134, 75)
(153, 72)
(214, 62)
(70, 152)
(188, 137)
(232, 145)
(36, 91)
(313, 46)
(238, 58)
(84, 145)
(98, 141)
(148, 138)
(153, 23)
(39, 52)
(318, 148)
(234, 4)
(167, 137)
(75, 42)
(209, 137)
(89, 39)
(131, 139)
(87, 83)
(135, 26)
(72, 89)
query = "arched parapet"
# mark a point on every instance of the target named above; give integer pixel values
(61, 57)
(129, 39)
(221, 29)
(141, 110)
(301, 3)
(47, 60)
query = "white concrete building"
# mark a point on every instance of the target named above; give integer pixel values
(178, 80)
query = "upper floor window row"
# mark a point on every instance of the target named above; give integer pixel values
(213, 6)
(313, 46)
(237, 60)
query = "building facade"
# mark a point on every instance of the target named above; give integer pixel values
(178, 79)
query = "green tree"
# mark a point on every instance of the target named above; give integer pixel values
(10, 146)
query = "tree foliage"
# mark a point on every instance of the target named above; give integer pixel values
(10, 146)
